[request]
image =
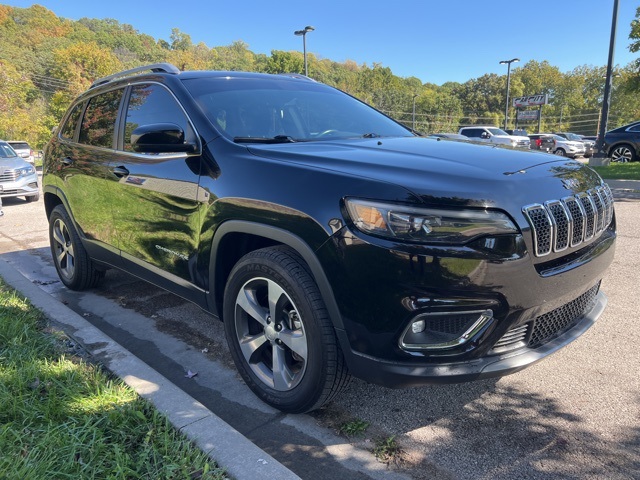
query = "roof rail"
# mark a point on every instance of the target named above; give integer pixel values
(156, 67)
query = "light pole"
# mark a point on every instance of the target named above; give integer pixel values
(303, 33)
(506, 108)
(414, 111)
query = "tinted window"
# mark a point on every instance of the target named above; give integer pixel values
(150, 104)
(635, 128)
(473, 132)
(68, 130)
(98, 124)
(20, 145)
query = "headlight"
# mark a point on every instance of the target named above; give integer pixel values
(23, 172)
(426, 225)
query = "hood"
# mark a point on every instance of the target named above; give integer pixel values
(461, 173)
(13, 162)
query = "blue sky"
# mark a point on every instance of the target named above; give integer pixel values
(435, 41)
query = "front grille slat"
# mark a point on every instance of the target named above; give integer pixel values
(571, 221)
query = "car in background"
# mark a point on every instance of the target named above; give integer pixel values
(567, 148)
(542, 141)
(18, 178)
(623, 144)
(495, 135)
(23, 149)
(589, 145)
(518, 132)
(449, 136)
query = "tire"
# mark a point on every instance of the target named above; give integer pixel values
(279, 332)
(622, 154)
(560, 152)
(33, 198)
(75, 268)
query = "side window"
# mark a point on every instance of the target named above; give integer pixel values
(635, 128)
(68, 130)
(98, 124)
(473, 132)
(150, 104)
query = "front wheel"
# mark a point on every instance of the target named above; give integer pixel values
(560, 152)
(622, 154)
(279, 332)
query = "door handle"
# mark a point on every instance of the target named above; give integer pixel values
(120, 172)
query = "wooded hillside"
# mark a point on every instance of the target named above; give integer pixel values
(46, 60)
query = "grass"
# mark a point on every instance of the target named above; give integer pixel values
(62, 417)
(620, 171)
(388, 451)
(353, 428)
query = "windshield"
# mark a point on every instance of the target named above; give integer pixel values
(573, 136)
(286, 110)
(6, 151)
(497, 131)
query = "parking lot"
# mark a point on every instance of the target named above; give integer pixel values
(575, 415)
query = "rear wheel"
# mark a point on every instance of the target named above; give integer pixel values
(279, 332)
(622, 154)
(75, 268)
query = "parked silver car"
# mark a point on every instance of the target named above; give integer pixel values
(18, 178)
(589, 145)
(23, 149)
(567, 148)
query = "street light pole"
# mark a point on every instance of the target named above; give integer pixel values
(303, 33)
(598, 158)
(414, 111)
(506, 108)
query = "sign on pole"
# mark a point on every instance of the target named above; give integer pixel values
(530, 101)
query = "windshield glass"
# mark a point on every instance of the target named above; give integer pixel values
(573, 136)
(6, 151)
(250, 108)
(497, 131)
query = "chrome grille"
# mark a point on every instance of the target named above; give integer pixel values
(559, 224)
(8, 175)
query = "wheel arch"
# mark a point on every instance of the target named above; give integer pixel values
(235, 238)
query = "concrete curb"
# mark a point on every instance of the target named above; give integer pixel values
(231, 450)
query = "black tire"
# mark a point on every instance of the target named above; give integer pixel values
(33, 198)
(285, 349)
(622, 153)
(75, 268)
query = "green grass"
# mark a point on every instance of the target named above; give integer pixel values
(388, 451)
(353, 428)
(620, 171)
(62, 417)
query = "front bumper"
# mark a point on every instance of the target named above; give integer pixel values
(398, 374)
(22, 187)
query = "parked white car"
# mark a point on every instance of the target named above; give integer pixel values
(23, 150)
(495, 135)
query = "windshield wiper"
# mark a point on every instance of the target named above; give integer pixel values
(276, 139)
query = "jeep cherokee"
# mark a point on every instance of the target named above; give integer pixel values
(330, 239)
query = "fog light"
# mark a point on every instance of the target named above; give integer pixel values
(444, 330)
(417, 327)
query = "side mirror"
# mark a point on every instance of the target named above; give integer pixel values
(160, 138)
(485, 135)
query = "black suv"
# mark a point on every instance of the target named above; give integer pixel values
(622, 144)
(329, 238)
